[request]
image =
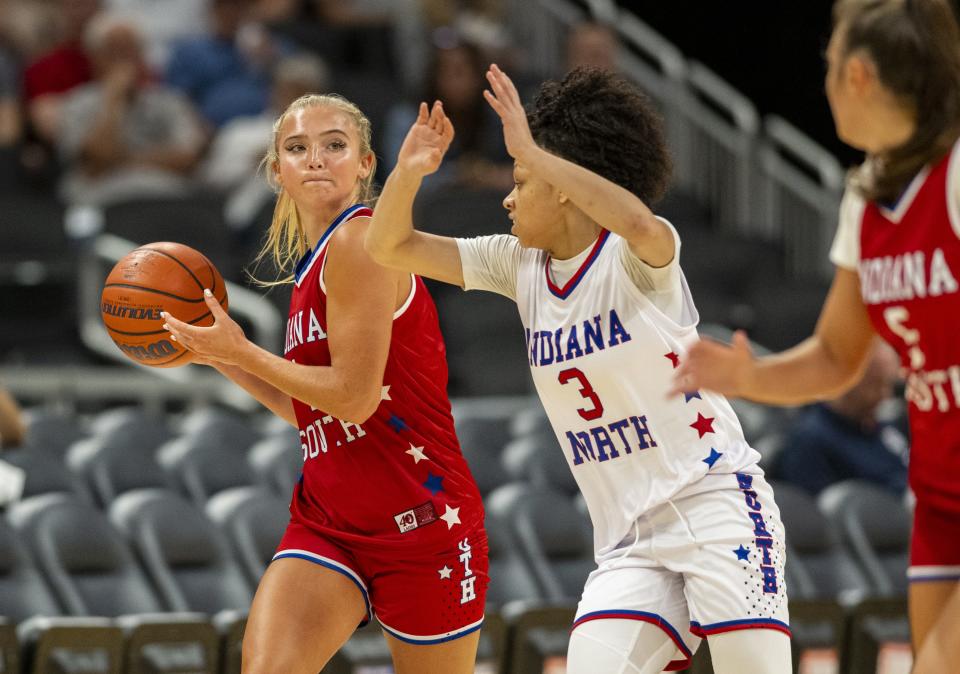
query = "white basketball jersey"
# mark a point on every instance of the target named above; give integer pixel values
(602, 357)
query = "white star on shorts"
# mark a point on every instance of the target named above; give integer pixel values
(445, 572)
(385, 392)
(416, 453)
(451, 517)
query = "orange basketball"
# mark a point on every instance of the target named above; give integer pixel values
(158, 277)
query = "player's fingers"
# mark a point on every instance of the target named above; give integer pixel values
(436, 116)
(422, 113)
(741, 342)
(509, 89)
(213, 305)
(494, 103)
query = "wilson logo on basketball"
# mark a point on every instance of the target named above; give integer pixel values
(134, 313)
(155, 351)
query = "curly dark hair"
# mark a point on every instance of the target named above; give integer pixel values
(603, 122)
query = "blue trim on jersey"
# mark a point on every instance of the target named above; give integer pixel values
(303, 266)
(645, 616)
(332, 567)
(428, 642)
(574, 280)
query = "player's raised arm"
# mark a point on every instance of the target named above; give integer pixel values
(612, 206)
(391, 239)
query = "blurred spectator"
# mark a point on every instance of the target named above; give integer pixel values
(239, 147)
(11, 123)
(13, 429)
(123, 136)
(163, 24)
(592, 44)
(477, 158)
(843, 438)
(48, 78)
(227, 73)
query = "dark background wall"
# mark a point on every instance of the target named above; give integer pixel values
(771, 50)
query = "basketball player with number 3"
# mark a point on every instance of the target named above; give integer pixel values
(689, 542)
(893, 82)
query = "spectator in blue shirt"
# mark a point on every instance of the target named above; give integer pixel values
(843, 438)
(227, 73)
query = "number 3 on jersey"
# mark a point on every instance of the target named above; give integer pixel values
(586, 390)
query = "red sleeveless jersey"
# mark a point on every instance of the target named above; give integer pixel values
(909, 266)
(398, 478)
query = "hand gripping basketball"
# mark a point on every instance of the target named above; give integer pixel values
(223, 341)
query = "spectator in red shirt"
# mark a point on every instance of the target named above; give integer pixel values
(51, 75)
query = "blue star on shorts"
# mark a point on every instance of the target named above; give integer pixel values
(742, 553)
(712, 459)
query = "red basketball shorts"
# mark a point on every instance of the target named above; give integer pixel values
(935, 544)
(418, 598)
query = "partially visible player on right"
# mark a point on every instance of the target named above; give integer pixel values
(893, 83)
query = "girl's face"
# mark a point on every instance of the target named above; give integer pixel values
(320, 159)
(535, 209)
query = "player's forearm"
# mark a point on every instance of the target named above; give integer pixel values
(265, 393)
(392, 224)
(608, 204)
(806, 373)
(323, 387)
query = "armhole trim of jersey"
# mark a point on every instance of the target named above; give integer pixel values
(406, 304)
(953, 189)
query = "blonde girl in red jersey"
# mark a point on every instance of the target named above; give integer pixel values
(893, 83)
(386, 518)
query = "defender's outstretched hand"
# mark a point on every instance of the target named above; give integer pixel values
(427, 141)
(223, 342)
(715, 366)
(505, 101)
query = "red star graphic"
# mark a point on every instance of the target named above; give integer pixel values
(674, 358)
(703, 424)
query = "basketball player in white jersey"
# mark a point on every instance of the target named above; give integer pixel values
(688, 539)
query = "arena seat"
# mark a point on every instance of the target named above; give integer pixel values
(37, 280)
(187, 557)
(86, 561)
(199, 469)
(62, 644)
(823, 581)
(196, 221)
(131, 426)
(539, 460)
(484, 461)
(277, 462)
(254, 520)
(511, 578)
(219, 427)
(9, 648)
(50, 431)
(875, 527)
(111, 467)
(46, 474)
(23, 592)
(554, 539)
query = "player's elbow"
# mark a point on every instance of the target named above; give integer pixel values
(381, 252)
(361, 404)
